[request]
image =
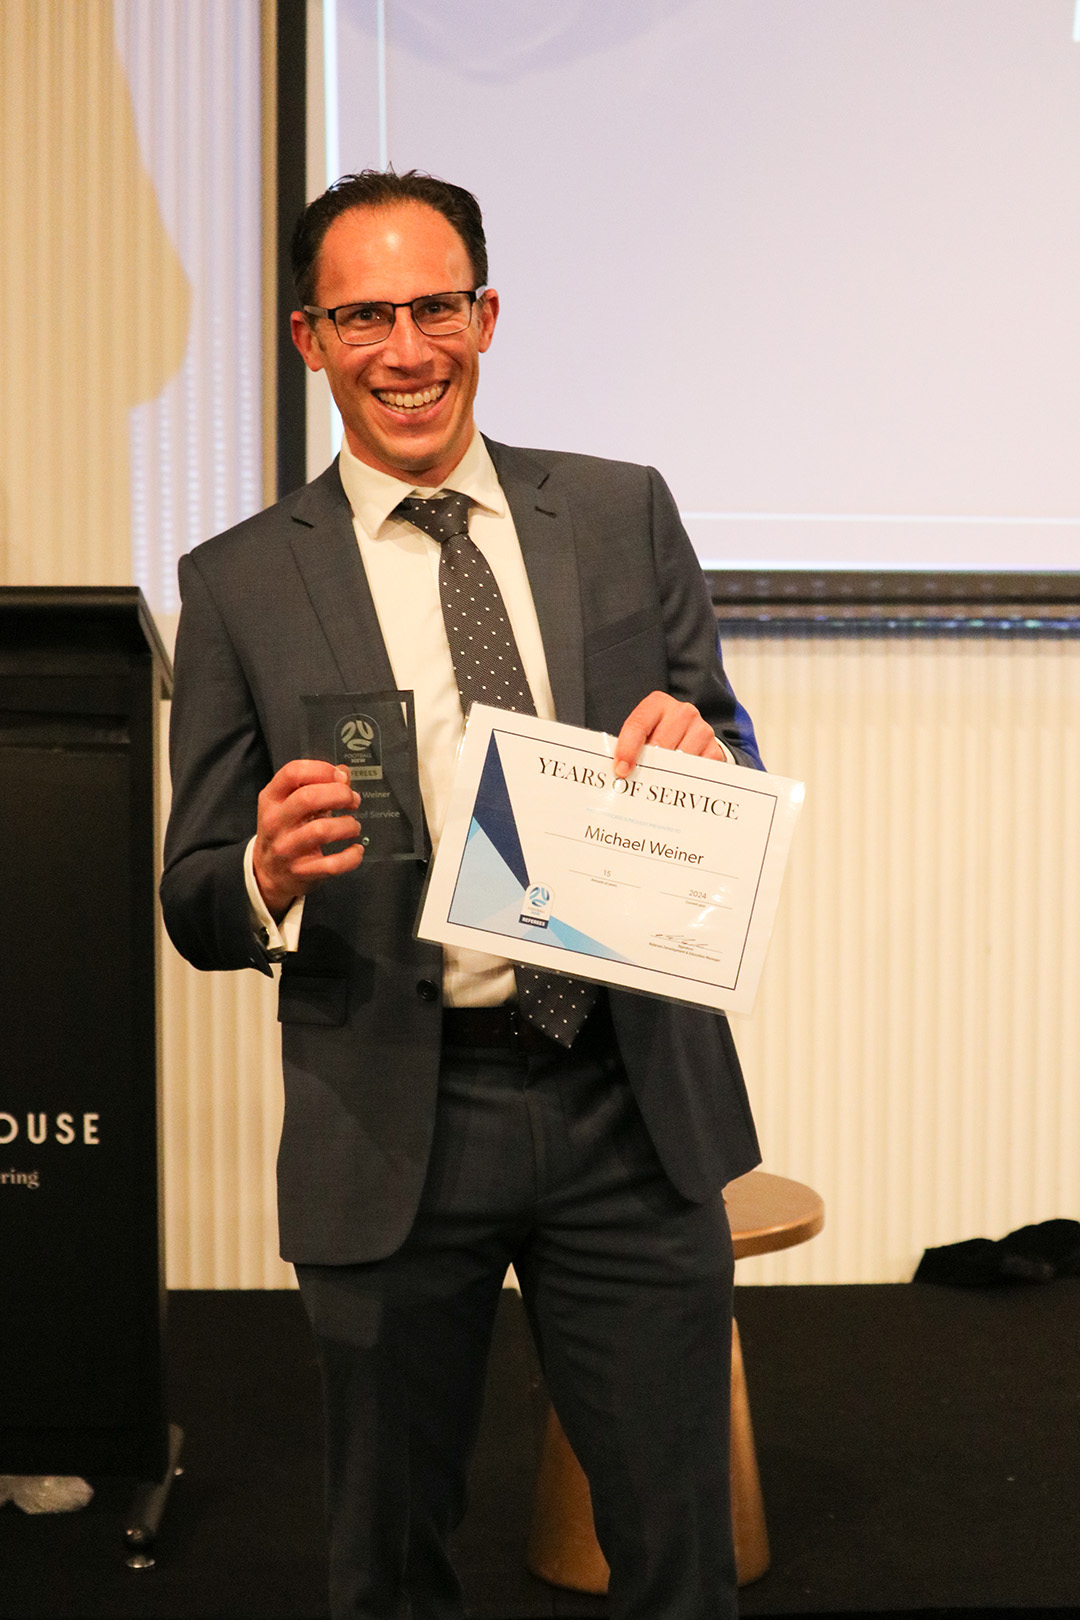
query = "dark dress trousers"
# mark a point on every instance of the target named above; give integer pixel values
(280, 606)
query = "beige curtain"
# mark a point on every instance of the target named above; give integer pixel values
(93, 298)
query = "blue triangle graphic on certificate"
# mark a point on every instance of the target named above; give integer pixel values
(572, 939)
(486, 887)
(488, 895)
(495, 814)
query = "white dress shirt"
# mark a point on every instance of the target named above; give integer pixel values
(402, 568)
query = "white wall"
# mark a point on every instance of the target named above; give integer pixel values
(915, 1049)
(816, 260)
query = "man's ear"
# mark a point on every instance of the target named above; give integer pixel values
(306, 341)
(487, 315)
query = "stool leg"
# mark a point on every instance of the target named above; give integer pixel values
(747, 1507)
(563, 1549)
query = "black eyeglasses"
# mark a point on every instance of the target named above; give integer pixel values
(436, 315)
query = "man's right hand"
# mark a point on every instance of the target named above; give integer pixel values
(295, 821)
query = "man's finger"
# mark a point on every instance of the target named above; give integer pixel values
(675, 723)
(294, 821)
(628, 746)
(313, 867)
(299, 773)
(636, 730)
(299, 842)
(665, 722)
(304, 803)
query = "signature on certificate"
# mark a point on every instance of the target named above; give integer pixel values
(687, 943)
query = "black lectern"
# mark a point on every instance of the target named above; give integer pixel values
(82, 673)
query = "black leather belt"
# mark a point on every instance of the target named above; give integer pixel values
(494, 1029)
(503, 1029)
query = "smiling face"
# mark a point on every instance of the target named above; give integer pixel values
(406, 403)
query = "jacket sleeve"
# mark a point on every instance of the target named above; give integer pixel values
(696, 670)
(219, 763)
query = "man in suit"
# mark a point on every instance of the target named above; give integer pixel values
(441, 1122)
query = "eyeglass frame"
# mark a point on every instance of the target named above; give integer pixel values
(474, 295)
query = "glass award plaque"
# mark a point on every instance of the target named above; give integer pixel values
(373, 734)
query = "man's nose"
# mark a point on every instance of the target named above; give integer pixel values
(406, 347)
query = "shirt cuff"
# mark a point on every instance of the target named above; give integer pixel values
(726, 756)
(277, 939)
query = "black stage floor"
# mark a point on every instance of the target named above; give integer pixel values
(919, 1450)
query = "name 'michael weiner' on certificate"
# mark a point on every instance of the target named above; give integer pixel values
(665, 881)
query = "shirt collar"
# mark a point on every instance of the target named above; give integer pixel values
(373, 495)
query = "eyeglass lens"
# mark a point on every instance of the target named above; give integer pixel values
(437, 315)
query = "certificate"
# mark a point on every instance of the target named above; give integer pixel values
(664, 882)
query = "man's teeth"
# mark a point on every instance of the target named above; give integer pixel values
(412, 402)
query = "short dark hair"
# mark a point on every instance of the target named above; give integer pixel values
(377, 188)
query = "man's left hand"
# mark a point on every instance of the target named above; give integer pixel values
(663, 721)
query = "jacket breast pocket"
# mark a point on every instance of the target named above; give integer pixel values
(623, 663)
(620, 631)
(312, 998)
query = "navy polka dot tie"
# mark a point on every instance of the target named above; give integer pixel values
(488, 667)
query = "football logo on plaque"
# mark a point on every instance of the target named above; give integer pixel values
(359, 747)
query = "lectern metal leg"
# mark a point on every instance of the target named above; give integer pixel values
(144, 1518)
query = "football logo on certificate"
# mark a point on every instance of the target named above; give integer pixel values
(536, 906)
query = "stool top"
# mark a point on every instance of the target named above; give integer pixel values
(768, 1212)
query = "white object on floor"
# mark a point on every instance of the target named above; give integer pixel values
(45, 1493)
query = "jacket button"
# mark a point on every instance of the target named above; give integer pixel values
(427, 991)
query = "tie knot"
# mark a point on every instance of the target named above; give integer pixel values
(442, 517)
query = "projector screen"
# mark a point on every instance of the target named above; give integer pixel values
(817, 260)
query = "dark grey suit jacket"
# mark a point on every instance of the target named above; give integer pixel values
(280, 606)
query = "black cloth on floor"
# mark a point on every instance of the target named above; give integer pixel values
(1032, 1254)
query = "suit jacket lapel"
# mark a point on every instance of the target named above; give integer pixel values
(546, 534)
(324, 545)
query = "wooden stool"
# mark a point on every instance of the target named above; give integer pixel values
(766, 1213)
